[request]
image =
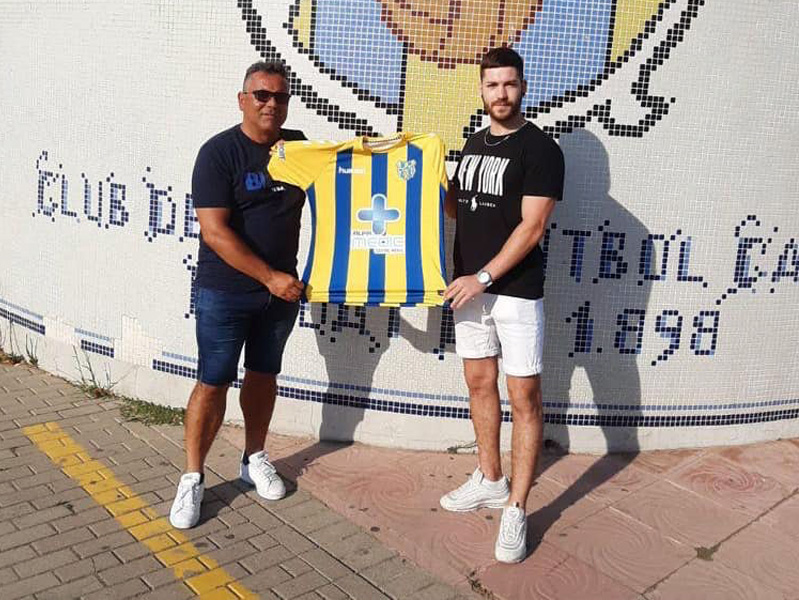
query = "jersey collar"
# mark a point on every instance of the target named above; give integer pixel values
(379, 145)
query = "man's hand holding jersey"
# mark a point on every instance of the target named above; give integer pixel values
(229, 247)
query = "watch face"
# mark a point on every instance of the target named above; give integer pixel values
(484, 278)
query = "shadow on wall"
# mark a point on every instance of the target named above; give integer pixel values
(593, 303)
(351, 353)
(352, 340)
(594, 300)
(589, 285)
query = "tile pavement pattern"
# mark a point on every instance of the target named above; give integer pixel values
(57, 542)
(710, 524)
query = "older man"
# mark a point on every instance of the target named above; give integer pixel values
(247, 286)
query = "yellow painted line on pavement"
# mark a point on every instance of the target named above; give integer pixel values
(200, 573)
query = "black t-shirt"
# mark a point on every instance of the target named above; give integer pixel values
(230, 172)
(493, 174)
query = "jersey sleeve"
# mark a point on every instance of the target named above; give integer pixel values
(211, 182)
(299, 163)
(544, 172)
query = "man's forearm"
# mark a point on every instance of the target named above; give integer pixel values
(229, 247)
(520, 243)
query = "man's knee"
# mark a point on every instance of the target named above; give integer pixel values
(206, 392)
(481, 387)
(259, 380)
(481, 377)
(525, 396)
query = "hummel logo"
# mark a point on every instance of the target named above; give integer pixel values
(351, 171)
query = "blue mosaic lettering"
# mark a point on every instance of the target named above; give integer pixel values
(304, 317)
(577, 253)
(95, 215)
(157, 223)
(191, 224)
(649, 251)
(45, 202)
(118, 215)
(669, 325)
(631, 323)
(65, 198)
(787, 263)
(684, 264)
(702, 332)
(584, 332)
(611, 262)
(446, 335)
(191, 267)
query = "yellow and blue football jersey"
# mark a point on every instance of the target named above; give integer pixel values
(377, 212)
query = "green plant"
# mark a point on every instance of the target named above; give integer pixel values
(89, 383)
(459, 447)
(10, 357)
(149, 413)
(31, 347)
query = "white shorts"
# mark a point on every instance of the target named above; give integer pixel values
(492, 325)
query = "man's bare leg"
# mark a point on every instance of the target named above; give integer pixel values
(528, 431)
(481, 379)
(257, 400)
(204, 416)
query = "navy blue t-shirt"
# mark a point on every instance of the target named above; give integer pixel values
(230, 172)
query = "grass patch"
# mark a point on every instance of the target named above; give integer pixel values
(467, 447)
(151, 414)
(95, 391)
(10, 359)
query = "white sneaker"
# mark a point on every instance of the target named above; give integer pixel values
(477, 492)
(511, 546)
(186, 508)
(258, 471)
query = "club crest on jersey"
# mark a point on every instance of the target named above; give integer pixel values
(406, 169)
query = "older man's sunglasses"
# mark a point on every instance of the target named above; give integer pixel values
(265, 95)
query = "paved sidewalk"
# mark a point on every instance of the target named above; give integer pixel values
(83, 499)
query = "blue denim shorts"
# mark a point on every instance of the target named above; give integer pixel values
(226, 321)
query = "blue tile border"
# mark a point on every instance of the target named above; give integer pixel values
(20, 320)
(97, 348)
(97, 336)
(339, 394)
(455, 412)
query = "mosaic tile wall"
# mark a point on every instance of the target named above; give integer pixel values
(672, 262)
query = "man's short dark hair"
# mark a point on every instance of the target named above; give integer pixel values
(272, 67)
(502, 57)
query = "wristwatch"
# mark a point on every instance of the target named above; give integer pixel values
(484, 277)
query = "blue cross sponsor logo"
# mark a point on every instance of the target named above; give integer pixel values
(254, 181)
(376, 240)
(378, 214)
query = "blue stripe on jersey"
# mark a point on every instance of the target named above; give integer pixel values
(441, 219)
(311, 194)
(377, 262)
(341, 252)
(413, 230)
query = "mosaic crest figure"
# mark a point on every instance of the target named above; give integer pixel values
(377, 66)
(387, 65)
